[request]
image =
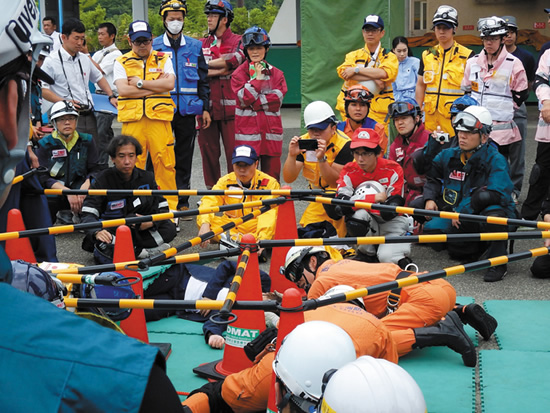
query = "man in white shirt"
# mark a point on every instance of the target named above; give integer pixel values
(71, 71)
(104, 60)
(49, 25)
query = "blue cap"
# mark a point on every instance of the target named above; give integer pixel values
(374, 21)
(244, 153)
(138, 29)
(321, 125)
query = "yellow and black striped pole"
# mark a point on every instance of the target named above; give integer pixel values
(66, 229)
(235, 284)
(182, 192)
(420, 239)
(430, 213)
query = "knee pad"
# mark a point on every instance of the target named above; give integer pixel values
(358, 224)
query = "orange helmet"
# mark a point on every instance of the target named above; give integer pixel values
(358, 93)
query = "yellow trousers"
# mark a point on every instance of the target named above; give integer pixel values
(155, 136)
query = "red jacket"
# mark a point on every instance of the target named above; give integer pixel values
(388, 173)
(257, 116)
(222, 98)
(401, 152)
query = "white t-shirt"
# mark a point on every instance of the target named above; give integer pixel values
(105, 58)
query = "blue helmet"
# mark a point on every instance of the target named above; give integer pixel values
(403, 107)
(462, 103)
(34, 280)
(222, 7)
(255, 36)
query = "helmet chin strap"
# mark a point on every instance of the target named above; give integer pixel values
(213, 32)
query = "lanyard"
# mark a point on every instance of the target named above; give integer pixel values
(67, 79)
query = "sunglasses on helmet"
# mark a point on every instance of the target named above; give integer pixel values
(467, 122)
(256, 38)
(358, 94)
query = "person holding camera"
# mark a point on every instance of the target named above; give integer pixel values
(412, 136)
(319, 155)
(72, 71)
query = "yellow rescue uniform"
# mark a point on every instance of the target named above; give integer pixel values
(148, 119)
(443, 73)
(385, 60)
(315, 212)
(262, 227)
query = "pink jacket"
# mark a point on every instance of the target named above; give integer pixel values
(257, 116)
(543, 93)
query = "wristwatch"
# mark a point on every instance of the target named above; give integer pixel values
(324, 159)
(357, 70)
(139, 84)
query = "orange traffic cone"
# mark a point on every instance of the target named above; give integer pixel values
(292, 298)
(134, 325)
(285, 228)
(20, 248)
(248, 325)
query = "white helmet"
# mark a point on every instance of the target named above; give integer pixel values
(62, 108)
(341, 289)
(446, 15)
(318, 112)
(307, 353)
(491, 26)
(367, 188)
(372, 385)
(474, 119)
(19, 35)
(295, 256)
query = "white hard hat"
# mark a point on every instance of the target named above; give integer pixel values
(62, 108)
(372, 86)
(367, 188)
(340, 289)
(492, 26)
(309, 351)
(466, 120)
(318, 112)
(372, 385)
(445, 15)
(294, 258)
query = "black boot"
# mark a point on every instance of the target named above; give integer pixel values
(448, 332)
(476, 316)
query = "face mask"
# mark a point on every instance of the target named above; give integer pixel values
(174, 27)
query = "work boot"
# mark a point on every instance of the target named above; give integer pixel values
(495, 273)
(476, 316)
(448, 332)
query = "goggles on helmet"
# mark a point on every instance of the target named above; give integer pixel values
(467, 122)
(173, 5)
(214, 5)
(401, 109)
(491, 26)
(358, 95)
(68, 109)
(254, 38)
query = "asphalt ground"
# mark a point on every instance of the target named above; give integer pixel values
(517, 285)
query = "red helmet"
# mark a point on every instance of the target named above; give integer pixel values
(358, 93)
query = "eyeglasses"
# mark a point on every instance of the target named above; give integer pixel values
(66, 119)
(467, 122)
(490, 39)
(363, 154)
(145, 42)
(256, 38)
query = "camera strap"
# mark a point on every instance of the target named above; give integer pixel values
(67, 79)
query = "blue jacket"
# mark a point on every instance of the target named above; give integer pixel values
(55, 361)
(367, 123)
(486, 168)
(192, 92)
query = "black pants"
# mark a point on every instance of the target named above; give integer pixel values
(184, 133)
(539, 183)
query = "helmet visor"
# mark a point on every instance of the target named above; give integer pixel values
(254, 38)
(467, 122)
(401, 109)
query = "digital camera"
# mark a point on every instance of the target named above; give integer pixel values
(442, 137)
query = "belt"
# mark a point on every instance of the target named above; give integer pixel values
(86, 112)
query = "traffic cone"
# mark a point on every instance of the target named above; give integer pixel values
(134, 325)
(20, 248)
(285, 228)
(292, 298)
(248, 325)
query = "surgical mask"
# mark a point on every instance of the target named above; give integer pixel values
(174, 26)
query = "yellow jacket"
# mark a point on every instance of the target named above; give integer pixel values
(159, 106)
(443, 73)
(265, 223)
(312, 171)
(361, 57)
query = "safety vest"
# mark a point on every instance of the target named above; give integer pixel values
(69, 167)
(443, 73)
(156, 107)
(494, 94)
(186, 65)
(312, 170)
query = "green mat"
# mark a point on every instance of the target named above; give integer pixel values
(522, 325)
(447, 384)
(188, 350)
(514, 381)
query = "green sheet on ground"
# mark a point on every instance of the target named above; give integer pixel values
(444, 380)
(188, 350)
(522, 325)
(514, 381)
